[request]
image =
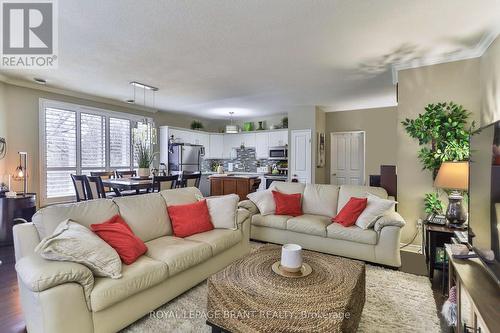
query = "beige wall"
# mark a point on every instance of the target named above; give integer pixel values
(381, 141)
(300, 118)
(19, 124)
(456, 81)
(320, 177)
(490, 84)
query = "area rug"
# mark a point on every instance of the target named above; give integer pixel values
(395, 302)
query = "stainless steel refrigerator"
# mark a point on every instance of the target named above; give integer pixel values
(185, 157)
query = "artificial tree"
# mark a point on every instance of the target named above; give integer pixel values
(443, 132)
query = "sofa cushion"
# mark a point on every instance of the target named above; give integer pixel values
(264, 201)
(348, 191)
(222, 211)
(181, 196)
(271, 221)
(85, 213)
(190, 219)
(352, 234)
(179, 254)
(141, 275)
(145, 214)
(351, 211)
(309, 224)
(320, 199)
(287, 187)
(375, 208)
(288, 204)
(218, 239)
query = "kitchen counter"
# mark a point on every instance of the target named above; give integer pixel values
(234, 175)
(242, 185)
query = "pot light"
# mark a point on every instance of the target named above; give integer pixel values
(130, 101)
(39, 80)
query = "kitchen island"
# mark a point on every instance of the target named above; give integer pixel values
(221, 184)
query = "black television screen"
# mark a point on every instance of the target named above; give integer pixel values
(484, 195)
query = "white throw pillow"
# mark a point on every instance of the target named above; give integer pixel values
(375, 208)
(74, 242)
(223, 211)
(264, 201)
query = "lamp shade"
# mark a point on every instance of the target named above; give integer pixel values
(453, 176)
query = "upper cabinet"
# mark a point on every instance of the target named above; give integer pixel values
(223, 146)
(262, 145)
(278, 138)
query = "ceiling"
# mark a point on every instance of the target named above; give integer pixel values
(256, 57)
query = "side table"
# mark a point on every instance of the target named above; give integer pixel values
(22, 206)
(435, 236)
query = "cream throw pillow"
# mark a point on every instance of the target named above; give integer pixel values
(74, 242)
(375, 208)
(264, 201)
(223, 211)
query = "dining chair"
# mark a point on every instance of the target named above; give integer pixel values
(161, 183)
(104, 175)
(96, 187)
(126, 174)
(190, 179)
(82, 188)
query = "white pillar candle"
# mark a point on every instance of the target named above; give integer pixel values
(291, 257)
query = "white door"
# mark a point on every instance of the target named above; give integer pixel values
(347, 158)
(300, 157)
(261, 145)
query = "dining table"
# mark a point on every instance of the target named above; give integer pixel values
(128, 184)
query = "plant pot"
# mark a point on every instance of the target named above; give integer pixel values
(143, 172)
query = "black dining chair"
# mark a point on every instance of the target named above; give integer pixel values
(126, 174)
(82, 188)
(96, 187)
(190, 179)
(104, 175)
(161, 183)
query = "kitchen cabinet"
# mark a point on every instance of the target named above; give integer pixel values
(248, 139)
(241, 185)
(204, 140)
(231, 142)
(262, 145)
(278, 138)
(205, 185)
(216, 145)
(180, 135)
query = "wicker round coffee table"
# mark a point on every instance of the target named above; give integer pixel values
(248, 296)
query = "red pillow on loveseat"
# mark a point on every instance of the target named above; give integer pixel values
(288, 204)
(351, 211)
(120, 237)
(190, 219)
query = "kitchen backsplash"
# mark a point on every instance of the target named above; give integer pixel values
(245, 161)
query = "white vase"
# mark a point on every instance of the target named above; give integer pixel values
(143, 172)
(291, 257)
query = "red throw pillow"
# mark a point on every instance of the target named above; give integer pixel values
(190, 219)
(351, 211)
(120, 237)
(287, 204)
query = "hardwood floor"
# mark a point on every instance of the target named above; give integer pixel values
(11, 319)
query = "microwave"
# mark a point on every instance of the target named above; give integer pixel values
(278, 153)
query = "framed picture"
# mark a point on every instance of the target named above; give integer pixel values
(320, 156)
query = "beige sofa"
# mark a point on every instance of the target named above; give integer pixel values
(66, 297)
(315, 231)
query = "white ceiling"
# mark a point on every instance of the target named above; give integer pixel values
(257, 57)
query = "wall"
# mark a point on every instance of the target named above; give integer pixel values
(320, 173)
(3, 123)
(490, 84)
(303, 117)
(381, 140)
(456, 81)
(19, 123)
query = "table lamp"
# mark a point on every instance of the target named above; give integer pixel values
(454, 176)
(21, 172)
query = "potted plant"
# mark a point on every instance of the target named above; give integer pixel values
(144, 159)
(443, 132)
(196, 125)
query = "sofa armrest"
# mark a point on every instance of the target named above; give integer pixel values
(241, 216)
(26, 238)
(389, 219)
(249, 205)
(39, 274)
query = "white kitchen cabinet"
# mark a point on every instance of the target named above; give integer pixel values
(231, 142)
(248, 139)
(204, 140)
(182, 136)
(216, 145)
(262, 145)
(278, 138)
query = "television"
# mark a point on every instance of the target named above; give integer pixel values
(484, 195)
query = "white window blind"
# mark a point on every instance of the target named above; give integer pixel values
(75, 139)
(119, 133)
(93, 140)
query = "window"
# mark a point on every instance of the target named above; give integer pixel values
(75, 139)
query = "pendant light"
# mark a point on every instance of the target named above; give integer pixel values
(231, 128)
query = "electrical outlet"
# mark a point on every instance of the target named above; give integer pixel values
(419, 223)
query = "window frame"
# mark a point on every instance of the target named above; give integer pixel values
(79, 109)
